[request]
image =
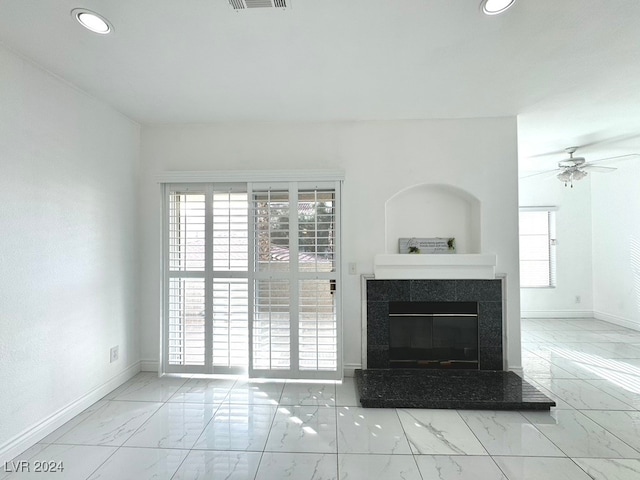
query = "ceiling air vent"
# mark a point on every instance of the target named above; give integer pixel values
(242, 4)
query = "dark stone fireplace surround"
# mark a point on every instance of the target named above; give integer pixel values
(488, 294)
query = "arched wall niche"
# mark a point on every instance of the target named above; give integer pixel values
(433, 210)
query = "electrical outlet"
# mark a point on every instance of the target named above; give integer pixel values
(353, 268)
(114, 353)
(578, 299)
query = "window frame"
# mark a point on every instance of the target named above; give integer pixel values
(552, 242)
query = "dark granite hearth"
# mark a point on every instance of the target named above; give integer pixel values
(460, 389)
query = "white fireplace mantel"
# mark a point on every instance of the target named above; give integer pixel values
(435, 266)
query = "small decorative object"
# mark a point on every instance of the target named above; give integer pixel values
(413, 246)
(451, 244)
(427, 245)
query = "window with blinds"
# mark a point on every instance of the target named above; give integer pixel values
(296, 319)
(186, 295)
(537, 247)
(230, 278)
(316, 224)
(230, 234)
(271, 345)
(317, 333)
(272, 325)
(230, 329)
(252, 276)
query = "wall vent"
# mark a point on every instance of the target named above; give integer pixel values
(244, 4)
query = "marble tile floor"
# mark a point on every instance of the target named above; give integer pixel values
(178, 428)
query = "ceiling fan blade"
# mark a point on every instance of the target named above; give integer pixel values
(582, 146)
(564, 151)
(617, 157)
(548, 154)
(543, 174)
(597, 168)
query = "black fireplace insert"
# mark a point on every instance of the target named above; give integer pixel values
(440, 335)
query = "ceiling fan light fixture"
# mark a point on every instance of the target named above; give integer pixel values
(571, 175)
(495, 7)
(579, 174)
(92, 21)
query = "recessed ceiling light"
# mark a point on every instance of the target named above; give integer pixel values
(495, 7)
(92, 21)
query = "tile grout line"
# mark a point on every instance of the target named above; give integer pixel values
(413, 455)
(273, 419)
(136, 430)
(609, 431)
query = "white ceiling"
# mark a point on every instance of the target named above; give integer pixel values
(570, 69)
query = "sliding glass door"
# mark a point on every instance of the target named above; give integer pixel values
(251, 279)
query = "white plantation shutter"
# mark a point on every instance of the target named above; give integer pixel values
(186, 296)
(207, 298)
(187, 231)
(316, 230)
(251, 279)
(230, 230)
(186, 321)
(537, 247)
(230, 278)
(318, 335)
(271, 220)
(230, 323)
(317, 326)
(273, 302)
(296, 270)
(272, 325)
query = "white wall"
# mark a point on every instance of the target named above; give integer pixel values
(573, 252)
(68, 251)
(616, 244)
(379, 160)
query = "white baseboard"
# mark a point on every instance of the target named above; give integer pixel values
(557, 314)
(517, 370)
(32, 435)
(616, 320)
(152, 366)
(349, 369)
(149, 366)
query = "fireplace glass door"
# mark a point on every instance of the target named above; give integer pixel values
(433, 335)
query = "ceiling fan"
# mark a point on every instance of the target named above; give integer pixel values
(573, 169)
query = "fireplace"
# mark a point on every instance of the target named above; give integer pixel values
(383, 296)
(433, 335)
